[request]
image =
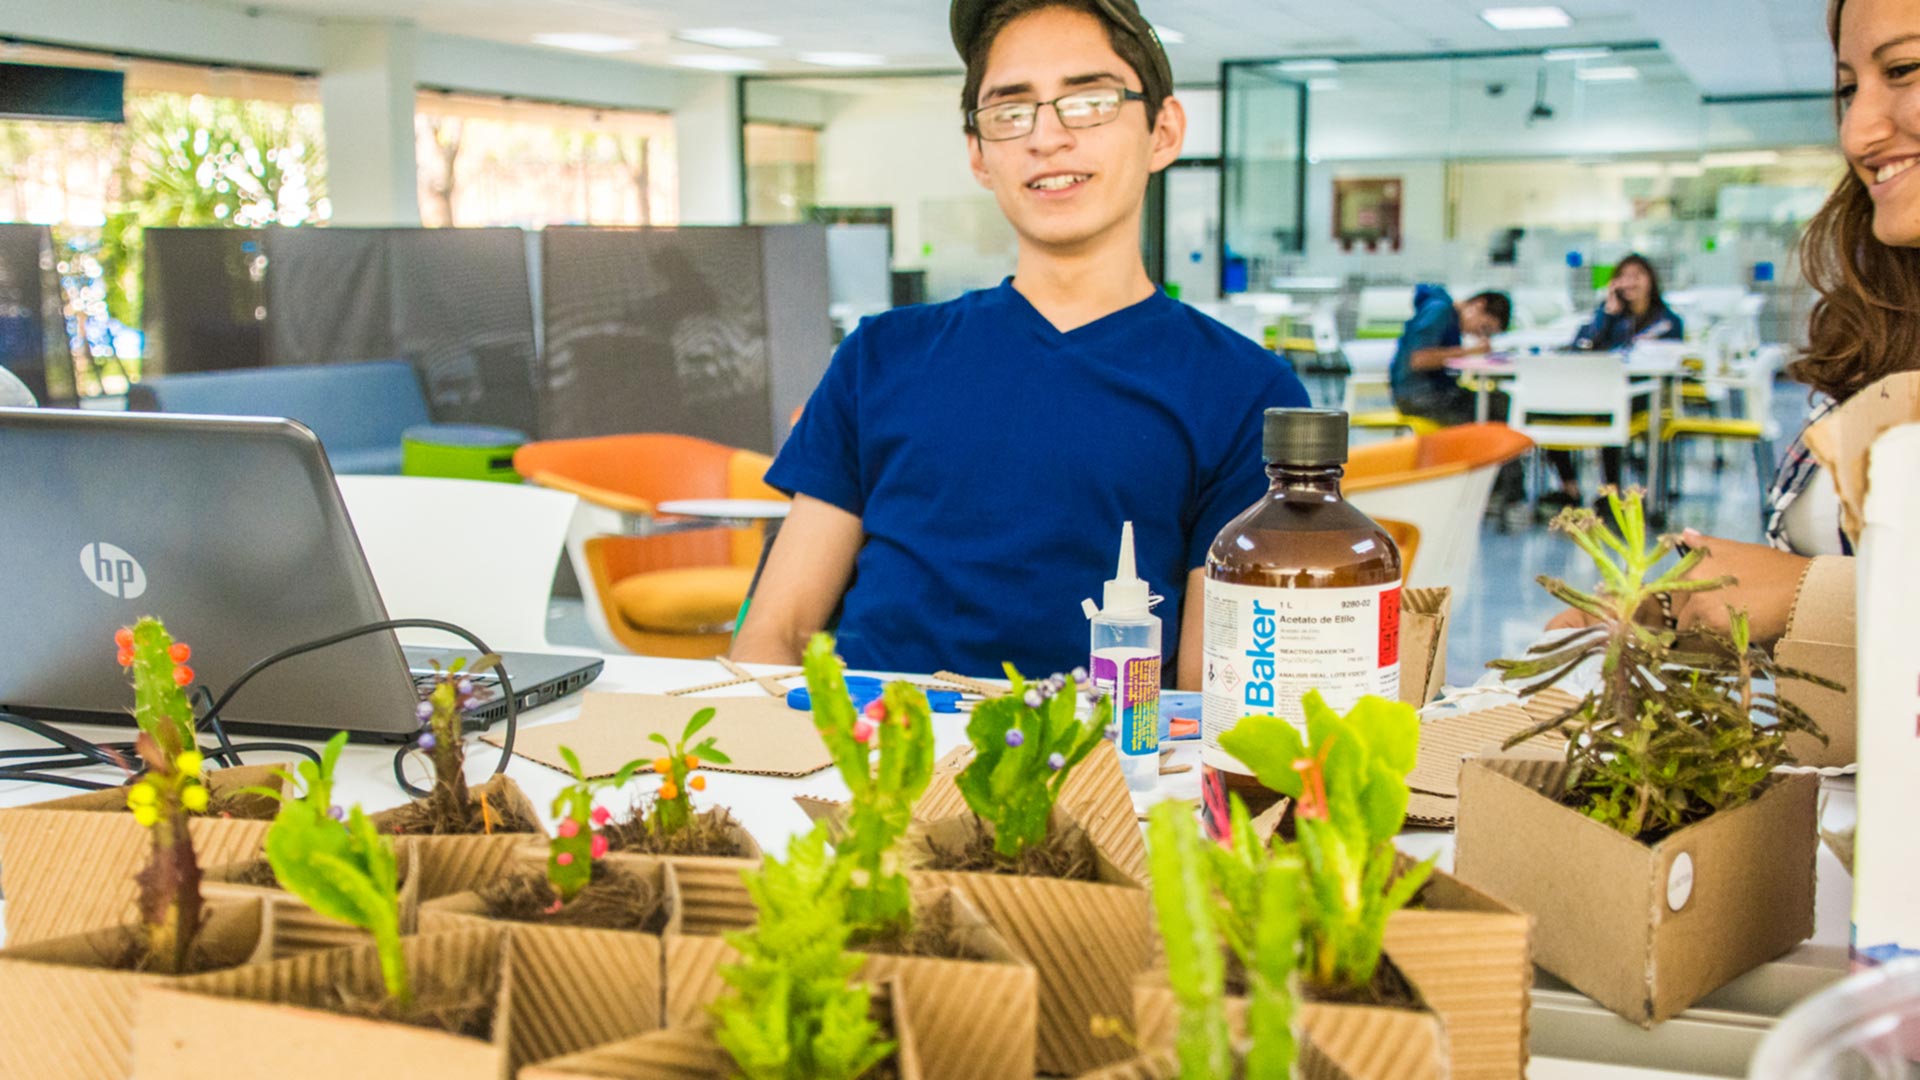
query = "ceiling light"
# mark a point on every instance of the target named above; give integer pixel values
(707, 62)
(1527, 18)
(593, 43)
(727, 37)
(1743, 159)
(1622, 73)
(842, 59)
(1169, 36)
(1556, 55)
(1309, 67)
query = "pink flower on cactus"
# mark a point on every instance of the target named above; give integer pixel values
(565, 858)
(554, 908)
(600, 846)
(602, 815)
(862, 730)
(876, 710)
(569, 828)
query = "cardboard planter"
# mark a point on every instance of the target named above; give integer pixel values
(586, 987)
(1646, 930)
(68, 1016)
(1309, 1063)
(297, 928)
(451, 864)
(714, 895)
(67, 865)
(274, 1021)
(1424, 615)
(973, 1019)
(690, 1053)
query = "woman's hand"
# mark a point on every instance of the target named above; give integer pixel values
(1613, 305)
(1766, 582)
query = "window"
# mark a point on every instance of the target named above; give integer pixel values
(782, 160)
(491, 161)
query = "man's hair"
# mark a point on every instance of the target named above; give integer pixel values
(1497, 304)
(1129, 48)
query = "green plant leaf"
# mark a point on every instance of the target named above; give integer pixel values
(1269, 746)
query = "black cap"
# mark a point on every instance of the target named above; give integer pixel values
(1304, 437)
(968, 15)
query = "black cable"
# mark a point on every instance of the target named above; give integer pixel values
(74, 744)
(500, 670)
(229, 752)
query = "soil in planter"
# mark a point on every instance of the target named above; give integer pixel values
(711, 833)
(457, 1010)
(935, 936)
(1067, 855)
(419, 818)
(259, 874)
(1390, 989)
(128, 952)
(889, 1068)
(615, 900)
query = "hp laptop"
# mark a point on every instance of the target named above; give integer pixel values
(230, 530)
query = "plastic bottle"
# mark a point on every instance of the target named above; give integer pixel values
(1125, 662)
(1302, 593)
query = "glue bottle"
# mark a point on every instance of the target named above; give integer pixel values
(1126, 665)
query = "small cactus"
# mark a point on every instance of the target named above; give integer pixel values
(167, 792)
(673, 801)
(576, 846)
(1025, 744)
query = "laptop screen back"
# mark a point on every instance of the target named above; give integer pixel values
(228, 529)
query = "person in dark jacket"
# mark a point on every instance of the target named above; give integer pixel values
(1422, 385)
(1631, 311)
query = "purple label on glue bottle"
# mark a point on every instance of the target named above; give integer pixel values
(1132, 678)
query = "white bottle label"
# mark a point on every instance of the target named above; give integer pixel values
(1265, 647)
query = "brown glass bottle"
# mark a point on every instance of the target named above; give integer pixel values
(1302, 593)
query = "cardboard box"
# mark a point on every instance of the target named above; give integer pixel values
(588, 987)
(271, 1021)
(1644, 930)
(298, 928)
(1424, 615)
(1309, 1063)
(714, 895)
(974, 1019)
(67, 865)
(1820, 640)
(67, 1017)
(451, 864)
(690, 1053)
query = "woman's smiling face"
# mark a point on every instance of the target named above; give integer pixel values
(1878, 79)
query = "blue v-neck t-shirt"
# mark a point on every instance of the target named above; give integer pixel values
(992, 458)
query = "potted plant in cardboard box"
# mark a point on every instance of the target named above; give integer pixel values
(179, 934)
(71, 863)
(1663, 855)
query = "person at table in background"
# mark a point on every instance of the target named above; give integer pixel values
(968, 465)
(1632, 310)
(1437, 334)
(1861, 253)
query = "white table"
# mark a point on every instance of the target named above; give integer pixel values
(1712, 1039)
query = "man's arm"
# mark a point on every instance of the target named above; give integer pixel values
(806, 572)
(1192, 633)
(1435, 358)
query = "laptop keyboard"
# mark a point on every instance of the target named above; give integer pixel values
(486, 686)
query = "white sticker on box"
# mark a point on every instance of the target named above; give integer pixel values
(1680, 881)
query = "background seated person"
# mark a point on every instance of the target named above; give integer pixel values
(1422, 385)
(1632, 310)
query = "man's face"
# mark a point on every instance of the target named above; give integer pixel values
(1068, 188)
(1476, 321)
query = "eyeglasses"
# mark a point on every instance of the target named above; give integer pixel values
(1015, 119)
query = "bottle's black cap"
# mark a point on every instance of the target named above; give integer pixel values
(1305, 437)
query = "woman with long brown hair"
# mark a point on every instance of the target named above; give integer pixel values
(1861, 253)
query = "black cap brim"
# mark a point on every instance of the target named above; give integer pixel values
(967, 16)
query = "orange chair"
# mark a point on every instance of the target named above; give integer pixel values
(1439, 483)
(649, 590)
(1406, 537)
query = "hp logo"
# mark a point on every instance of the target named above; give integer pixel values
(113, 571)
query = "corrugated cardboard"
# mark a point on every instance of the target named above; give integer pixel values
(1424, 615)
(1840, 442)
(297, 928)
(973, 1018)
(715, 897)
(67, 866)
(1309, 1063)
(761, 734)
(1605, 906)
(451, 864)
(577, 988)
(267, 1022)
(65, 1017)
(1447, 740)
(690, 1053)
(1820, 640)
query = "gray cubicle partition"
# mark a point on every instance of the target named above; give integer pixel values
(203, 305)
(33, 329)
(455, 302)
(718, 332)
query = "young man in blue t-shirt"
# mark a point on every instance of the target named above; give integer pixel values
(962, 471)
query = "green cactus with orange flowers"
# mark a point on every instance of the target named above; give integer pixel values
(885, 755)
(1024, 746)
(575, 846)
(673, 802)
(167, 792)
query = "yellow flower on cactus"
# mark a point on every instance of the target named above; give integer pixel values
(195, 799)
(141, 794)
(189, 762)
(146, 816)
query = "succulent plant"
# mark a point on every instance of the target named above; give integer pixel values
(167, 792)
(673, 801)
(576, 843)
(1025, 744)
